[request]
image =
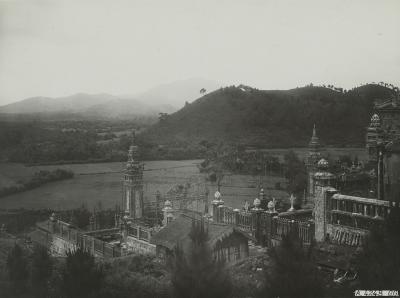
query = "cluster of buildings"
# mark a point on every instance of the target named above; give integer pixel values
(340, 207)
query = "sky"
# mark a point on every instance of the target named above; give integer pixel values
(58, 48)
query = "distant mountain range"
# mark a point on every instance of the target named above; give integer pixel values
(272, 118)
(164, 98)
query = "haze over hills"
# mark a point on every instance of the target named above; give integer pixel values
(275, 118)
(177, 93)
(164, 98)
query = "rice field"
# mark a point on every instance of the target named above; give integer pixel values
(102, 182)
(332, 152)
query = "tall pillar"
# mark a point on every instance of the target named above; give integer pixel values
(216, 203)
(256, 219)
(380, 176)
(321, 212)
(168, 213)
(314, 155)
(133, 184)
(269, 217)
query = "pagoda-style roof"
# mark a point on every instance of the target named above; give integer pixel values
(314, 142)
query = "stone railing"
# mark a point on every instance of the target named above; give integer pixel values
(77, 238)
(356, 212)
(265, 226)
(283, 226)
(140, 232)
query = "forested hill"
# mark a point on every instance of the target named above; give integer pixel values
(277, 118)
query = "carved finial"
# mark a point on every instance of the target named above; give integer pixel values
(292, 199)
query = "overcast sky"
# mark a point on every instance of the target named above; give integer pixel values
(57, 48)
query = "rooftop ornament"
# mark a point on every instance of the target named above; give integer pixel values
(256, 204)
(323, 164)
(167, 206)
(292, 199)
(217, 197)
(271, 206)
(375, 121)
(246, 206)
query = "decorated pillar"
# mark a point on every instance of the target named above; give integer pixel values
(168, 212)
(216, 203)
(269, 216)
(256, 218)
(133, 184)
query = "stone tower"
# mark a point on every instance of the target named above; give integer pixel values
(374, 138)
(323, 187)
(389, 114)
(133, 184)
(314, 155)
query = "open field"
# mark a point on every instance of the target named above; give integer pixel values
(332, 152)
(95, 183)
(102, 182)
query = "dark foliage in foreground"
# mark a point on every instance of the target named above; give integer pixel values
(196, 274)
(81, 277)
(291, 272)
(41, 271)
(17, 268)
(379, 262)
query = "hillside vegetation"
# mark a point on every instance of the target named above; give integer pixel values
(276, 118)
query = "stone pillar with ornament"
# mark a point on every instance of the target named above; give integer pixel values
(256, 219)
(292, 200)
(270, 213)
(125, 225)
(52, 223)
(168, 212)
(216, 203)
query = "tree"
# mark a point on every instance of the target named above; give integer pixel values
(196, 273)
(296, 173)
(378, 263)
(81, 277)
(291, 272)
(42, 266)
(17, 267)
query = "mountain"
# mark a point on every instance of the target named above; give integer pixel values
(165, 98)
(82, 105)
(126, 107)
(177, 93)
(271, 118)
(74, 103)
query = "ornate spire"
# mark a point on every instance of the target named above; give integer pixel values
(375, 121)
(314, 142)
(133, 156)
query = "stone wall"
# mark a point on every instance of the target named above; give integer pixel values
(60, 246)
(346, 235)
(134, 245)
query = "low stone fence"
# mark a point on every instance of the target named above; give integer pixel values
(267, 226)
(64, 237)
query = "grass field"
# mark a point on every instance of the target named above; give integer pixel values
(102, 182)
(333, 152)
(93, 183)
